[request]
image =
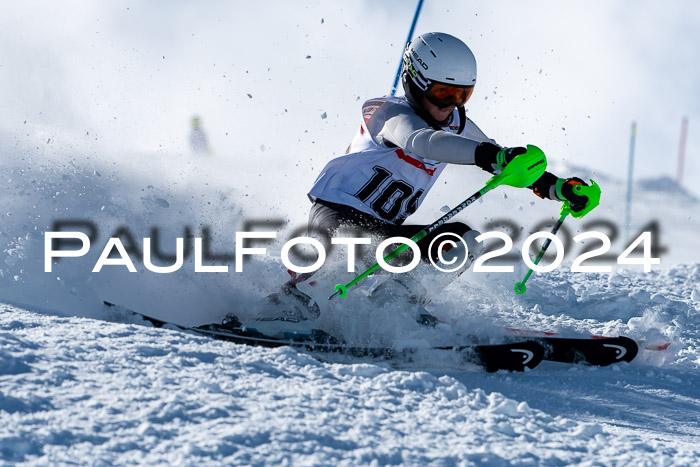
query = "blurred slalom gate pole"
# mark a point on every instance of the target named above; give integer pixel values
(630, 170)
(410, 35)
(681, 150)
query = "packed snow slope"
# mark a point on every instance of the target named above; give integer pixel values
(81, 383)
(91, 391)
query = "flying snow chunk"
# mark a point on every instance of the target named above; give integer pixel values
(249, 96)
(324, 116)
(161, 202)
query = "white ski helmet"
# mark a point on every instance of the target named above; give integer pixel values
(440, 67)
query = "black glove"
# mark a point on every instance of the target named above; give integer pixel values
(565, 192)
(493, 158)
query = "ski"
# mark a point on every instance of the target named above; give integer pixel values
(594, 350)
(599, 352)
(510, 356)
(658, 346)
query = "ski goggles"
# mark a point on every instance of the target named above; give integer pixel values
(445, 95)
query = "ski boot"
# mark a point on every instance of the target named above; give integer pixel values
(407, 291)
(414, 286)
(287, 314)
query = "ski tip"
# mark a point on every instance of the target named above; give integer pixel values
(596, 351)
(631, 347)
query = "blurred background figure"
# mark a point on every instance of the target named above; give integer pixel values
(198, 138)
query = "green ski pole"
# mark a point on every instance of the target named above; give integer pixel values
(522, 171)
(593, 194)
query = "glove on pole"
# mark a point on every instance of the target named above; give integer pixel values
(593, 194)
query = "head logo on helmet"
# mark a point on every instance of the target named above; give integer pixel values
(441, 68)
(417, 57)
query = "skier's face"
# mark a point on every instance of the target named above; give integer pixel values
(438, 113)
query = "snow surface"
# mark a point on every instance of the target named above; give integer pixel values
(83, 383)
(76, 389)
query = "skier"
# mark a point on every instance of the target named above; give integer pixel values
(401, 148)
(198, 138)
